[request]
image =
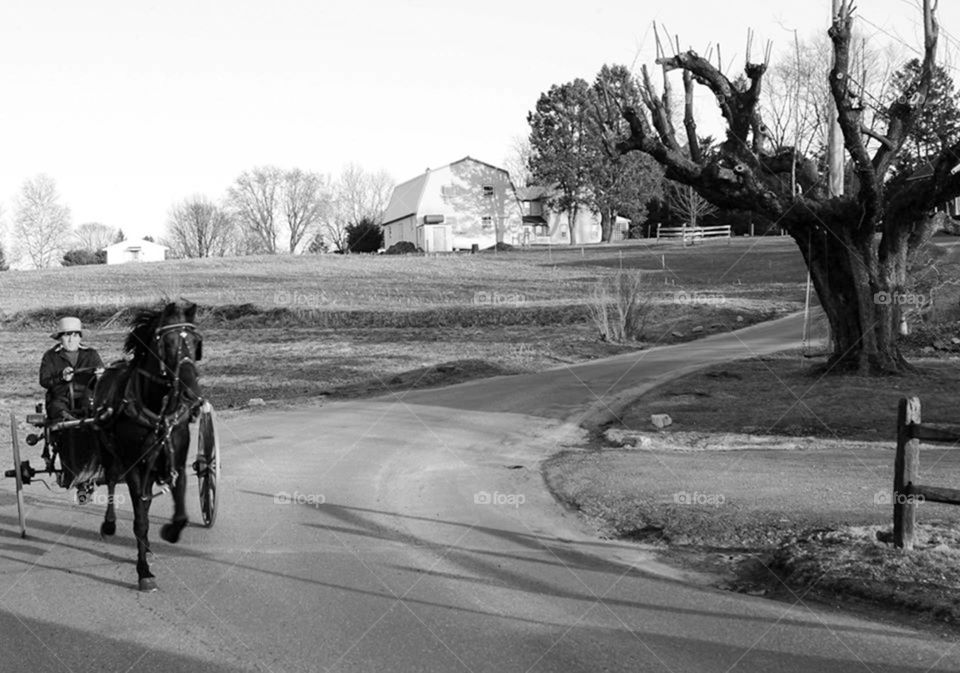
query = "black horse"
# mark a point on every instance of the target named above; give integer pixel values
(145, 439)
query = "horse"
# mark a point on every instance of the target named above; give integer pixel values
(148, 403)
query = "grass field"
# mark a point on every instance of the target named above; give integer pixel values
(750, 268)
(282, 328)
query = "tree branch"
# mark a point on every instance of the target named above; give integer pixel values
(689, 122)
(849, 117)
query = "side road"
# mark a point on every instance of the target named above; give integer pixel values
(592, 393)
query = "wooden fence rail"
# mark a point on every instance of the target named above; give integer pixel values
(907, 493)
(694, 233)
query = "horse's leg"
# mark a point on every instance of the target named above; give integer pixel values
(141, 524)
(171, 531)
(109, 525)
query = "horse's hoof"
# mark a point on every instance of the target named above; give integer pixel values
(108, 528)
(170, 532)
(148, 584)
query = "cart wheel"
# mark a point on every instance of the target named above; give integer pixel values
(18, 475)
(207, 464)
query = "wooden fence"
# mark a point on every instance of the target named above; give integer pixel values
(907, 493)
(690, 234)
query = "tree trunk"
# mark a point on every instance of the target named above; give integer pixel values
(861, 298)
(572, 224)
(606, 224)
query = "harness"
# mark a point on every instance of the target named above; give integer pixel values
(184, 402)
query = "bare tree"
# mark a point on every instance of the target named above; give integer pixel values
(517, 162)
(41, 223)
(357, 195)
(255, 197)
(197, 227)
(306, 203)
(93, 236)
(684, 202)
(856, 246)
(360, 194)
(797, 103)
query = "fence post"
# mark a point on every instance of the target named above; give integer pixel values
(658, 231)
(905, 473)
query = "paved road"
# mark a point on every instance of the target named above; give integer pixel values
(418, 537)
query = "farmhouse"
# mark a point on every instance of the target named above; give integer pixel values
(455, 207)
(542, 225)
(135, 251)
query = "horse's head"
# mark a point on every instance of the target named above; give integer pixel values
(166, 345)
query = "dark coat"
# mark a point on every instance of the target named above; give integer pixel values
(60, 392)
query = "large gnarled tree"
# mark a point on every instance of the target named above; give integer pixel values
(856, 246)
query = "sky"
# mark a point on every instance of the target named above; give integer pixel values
(134, 105)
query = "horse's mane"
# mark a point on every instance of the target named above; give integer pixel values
(142, 327)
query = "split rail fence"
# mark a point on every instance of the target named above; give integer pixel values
(907, 493)
(690, 234)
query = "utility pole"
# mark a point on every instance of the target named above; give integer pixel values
(835, 136)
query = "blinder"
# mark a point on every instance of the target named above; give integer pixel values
(185, 329)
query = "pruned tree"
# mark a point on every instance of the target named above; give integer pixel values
(306, 204)
(563, 151)
(197, 227)
(4, 266)
(856, 246)
(255, 199)
(93, 236)
(41, 223)
(618, 185)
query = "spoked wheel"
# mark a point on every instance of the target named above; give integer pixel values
(207, 464)
(18, 475)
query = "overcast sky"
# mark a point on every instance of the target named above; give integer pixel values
(132, 105)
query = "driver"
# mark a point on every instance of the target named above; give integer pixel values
(67, 368)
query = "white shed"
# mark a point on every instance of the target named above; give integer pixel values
(135, 251)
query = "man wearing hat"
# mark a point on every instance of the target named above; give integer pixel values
(59, 364)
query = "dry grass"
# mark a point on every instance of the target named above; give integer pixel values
(786, 395)
(751, 268)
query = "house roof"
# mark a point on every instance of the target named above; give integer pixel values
(533, 192)
(405, 200)
(926, 171)
(142, 243)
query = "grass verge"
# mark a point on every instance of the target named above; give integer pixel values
(779, 481)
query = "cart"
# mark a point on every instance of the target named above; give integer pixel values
(64, 439)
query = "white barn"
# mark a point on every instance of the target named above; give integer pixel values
(135, 251)
(463, 204)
